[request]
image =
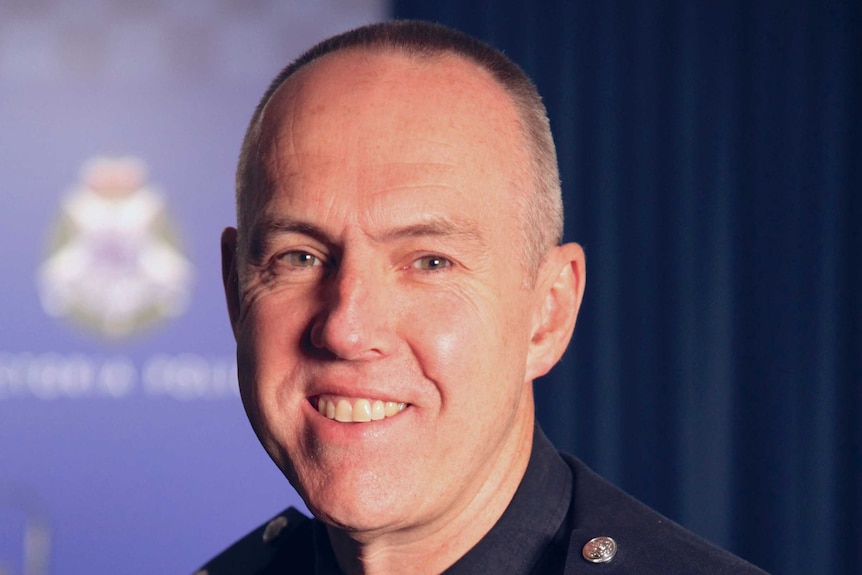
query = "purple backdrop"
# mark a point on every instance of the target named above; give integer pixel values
(128, 451)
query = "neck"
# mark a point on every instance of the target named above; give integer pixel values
(434, 547)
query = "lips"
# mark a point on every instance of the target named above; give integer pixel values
(356, 410)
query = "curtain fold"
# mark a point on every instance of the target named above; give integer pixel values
(710, 156)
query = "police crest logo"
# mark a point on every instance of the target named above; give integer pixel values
(114, 264)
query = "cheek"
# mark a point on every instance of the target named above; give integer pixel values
(267, 348)
(444, 327)
(446, 344)
(468, 351)
(270, 334)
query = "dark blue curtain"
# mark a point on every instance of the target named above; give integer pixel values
(710, 155)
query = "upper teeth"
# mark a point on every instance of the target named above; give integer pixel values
(361, 410)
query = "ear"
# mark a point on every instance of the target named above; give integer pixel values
(560, 289)
(229, 275)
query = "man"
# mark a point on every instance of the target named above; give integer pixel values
(395, 284)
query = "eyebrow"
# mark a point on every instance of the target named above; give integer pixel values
(458, 228)
(461, 229)
(263, 233)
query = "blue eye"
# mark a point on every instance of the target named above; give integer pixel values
(432, 263)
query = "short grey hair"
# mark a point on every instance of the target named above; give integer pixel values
(542, 207)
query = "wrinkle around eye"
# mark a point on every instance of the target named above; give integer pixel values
(279, 270)
(250, 292)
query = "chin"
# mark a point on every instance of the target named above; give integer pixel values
(356, 517)
(356, 506)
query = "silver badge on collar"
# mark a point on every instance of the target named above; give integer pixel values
(600, 550)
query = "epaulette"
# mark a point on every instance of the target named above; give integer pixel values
(285, 544)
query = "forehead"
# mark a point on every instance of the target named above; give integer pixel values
(364, 75)
(357, 122)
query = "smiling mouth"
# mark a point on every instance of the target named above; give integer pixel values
(347, 410)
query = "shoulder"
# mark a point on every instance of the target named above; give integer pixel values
(645, 541)
(288, 535)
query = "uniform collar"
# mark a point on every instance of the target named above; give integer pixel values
(526, 538)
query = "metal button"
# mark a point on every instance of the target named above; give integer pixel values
(274, 528)
(600, 550)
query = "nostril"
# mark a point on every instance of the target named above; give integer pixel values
(343, 337)
(314, 337)
(311, 345)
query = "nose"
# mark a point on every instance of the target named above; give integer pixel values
(353, 324)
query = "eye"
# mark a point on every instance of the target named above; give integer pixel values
(301, 259)
(432, 263)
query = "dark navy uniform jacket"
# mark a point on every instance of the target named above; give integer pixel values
(564, 519)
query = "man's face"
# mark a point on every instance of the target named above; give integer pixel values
(384, 266)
